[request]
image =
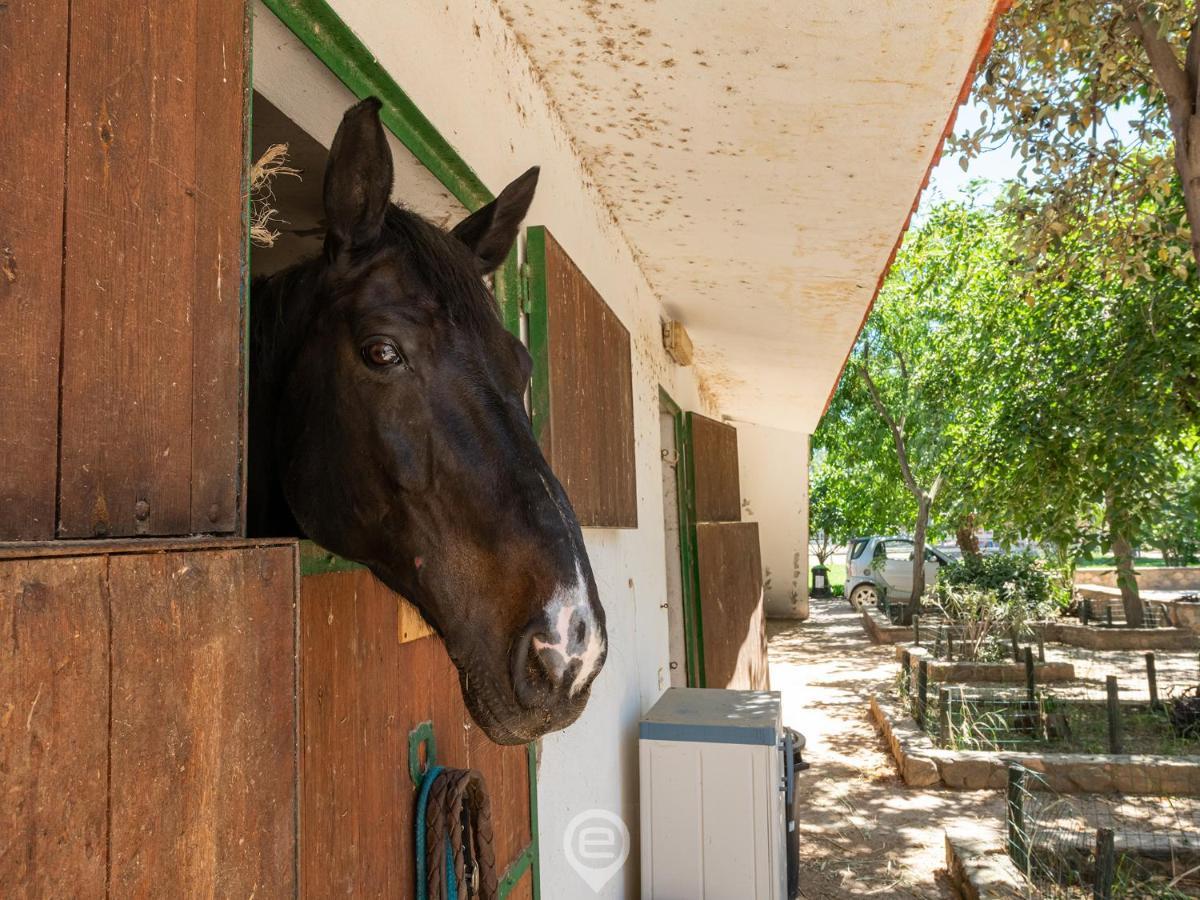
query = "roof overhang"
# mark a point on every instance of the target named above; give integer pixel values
(763, 160)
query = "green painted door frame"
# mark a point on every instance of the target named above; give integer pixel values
(685, 493)
(332, 41)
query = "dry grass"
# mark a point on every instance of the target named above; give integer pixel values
(263, 214)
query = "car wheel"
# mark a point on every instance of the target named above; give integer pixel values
(864, 594)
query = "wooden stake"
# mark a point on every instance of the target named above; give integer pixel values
(922, 690)
(1018, 846)
(1152, 680)
(1114, 716)
(1041, 639)
(1030, 674)
(917, 631)
(1106, 864)
(944, 715)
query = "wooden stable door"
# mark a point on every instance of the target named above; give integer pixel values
(728, 566)
(147, 723)
(372, 672)
(122, 247)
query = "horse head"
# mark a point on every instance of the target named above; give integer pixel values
(388, 421)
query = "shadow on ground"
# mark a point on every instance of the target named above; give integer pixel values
(863, 833)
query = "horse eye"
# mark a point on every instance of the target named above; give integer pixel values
(382, 354)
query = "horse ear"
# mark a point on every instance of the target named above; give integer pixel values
(358, 179)
(490, 232)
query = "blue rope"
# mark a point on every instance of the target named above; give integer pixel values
(422, 803)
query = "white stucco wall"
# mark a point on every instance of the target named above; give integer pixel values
(460, 65)
(774, 478)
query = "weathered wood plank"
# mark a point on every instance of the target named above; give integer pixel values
(53, 727)
(733, 620)
(363, 689)
(203, 784)
(40, 549)
(590, 444)
(718, 486)
(33, 66)
(218, 365)
(151, 297)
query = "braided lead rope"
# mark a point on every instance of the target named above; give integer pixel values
(457, 823)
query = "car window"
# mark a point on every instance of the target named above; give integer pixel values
(902, 550)
(880, 551)
(857, 547)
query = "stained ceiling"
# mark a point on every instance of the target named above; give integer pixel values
(761, 158)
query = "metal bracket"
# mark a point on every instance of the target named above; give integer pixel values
(422, 734)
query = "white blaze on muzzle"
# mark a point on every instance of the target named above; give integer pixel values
(569, 608)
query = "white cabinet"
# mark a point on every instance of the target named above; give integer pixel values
(712, 799)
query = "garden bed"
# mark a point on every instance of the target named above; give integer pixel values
(980, 869)
(959, 671)
(923, 764)
(1103, 637)
(880, 628)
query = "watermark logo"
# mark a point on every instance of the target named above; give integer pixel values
(596, 844)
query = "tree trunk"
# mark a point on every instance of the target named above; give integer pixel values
(1122, 550)
(1177, 80)
(918, 579)
(1127, 581)
(964, 536)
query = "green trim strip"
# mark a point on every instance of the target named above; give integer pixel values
(689, 574)
(327, 36)
(316, 560)
(539, 342)
(535, 843)
(686, 472)
(514, 872)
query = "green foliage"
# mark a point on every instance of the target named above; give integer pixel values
(1072, 90)
(1176, 529)
(1011, 577)
(854, 482)
(1087, 402)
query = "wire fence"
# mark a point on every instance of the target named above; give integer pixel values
(1111, 707)
(1071, 845)
(1110, 613)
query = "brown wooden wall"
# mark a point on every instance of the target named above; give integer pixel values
(148, 723)
(121, 257)
(588, 436)
(365, 684)
(731, 605)
(718, 486)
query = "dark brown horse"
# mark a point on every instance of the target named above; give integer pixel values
(387, 423)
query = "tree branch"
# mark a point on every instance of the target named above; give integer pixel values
(897, 435)
(1170, 74)
(1192, 64)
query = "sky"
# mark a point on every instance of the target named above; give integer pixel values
(949, 182)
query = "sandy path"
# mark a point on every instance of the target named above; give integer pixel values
(862, 832)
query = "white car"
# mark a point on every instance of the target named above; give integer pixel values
(876, 566)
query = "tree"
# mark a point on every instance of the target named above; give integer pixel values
(827, 507)
(902, 388)
(1176, 529)
(1084, 92)
(1087, 402)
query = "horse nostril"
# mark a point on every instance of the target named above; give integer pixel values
(542, 664)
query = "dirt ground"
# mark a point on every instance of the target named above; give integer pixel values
(862, 832)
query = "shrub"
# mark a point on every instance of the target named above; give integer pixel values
(992, 598)
(1019, 577)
